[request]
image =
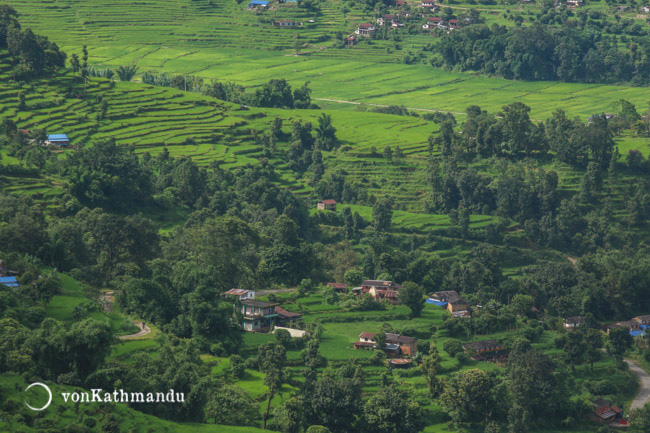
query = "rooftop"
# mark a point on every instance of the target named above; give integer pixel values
(288, 314)
(236, 292)
(329, 201)
(259, 304)
(446, 296)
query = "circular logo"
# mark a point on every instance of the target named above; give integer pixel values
(48, 392)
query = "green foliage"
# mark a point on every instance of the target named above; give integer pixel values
(126, 73)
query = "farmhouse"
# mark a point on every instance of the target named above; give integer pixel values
(451, 300)
(573, 322)
(379, 290)
(258, 316)
(605, 412)
(365, 29)
(240, 293)
(400, 363)
(573, 3)
(387, 19)
(257, 4)
(58, 139)
(645, 9)
(327, 205)
(400, 3)
(379, 284)
(607, 116)
(391, 296)
(339, 287)
(489, 350)
(642, 320)
(395, 344)
(632, 325)
(285, 24)
(350, 40)
(429, 4)
(286, 317)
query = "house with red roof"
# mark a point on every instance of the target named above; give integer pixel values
(327, 205)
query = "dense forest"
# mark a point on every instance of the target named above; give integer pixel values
(544, 52)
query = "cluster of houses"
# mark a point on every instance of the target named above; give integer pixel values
(637, 325)
(452, 301)
(260, 316)
(380, 290)
(8, 277)
(439, 23)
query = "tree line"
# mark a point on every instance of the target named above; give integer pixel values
(545, 52)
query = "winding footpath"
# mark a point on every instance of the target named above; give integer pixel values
(144, 330)
(643, 396)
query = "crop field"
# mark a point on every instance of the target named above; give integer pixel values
(221, 39)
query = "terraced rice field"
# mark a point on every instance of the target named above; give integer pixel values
(221, 39)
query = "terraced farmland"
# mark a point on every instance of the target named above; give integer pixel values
(221, 39)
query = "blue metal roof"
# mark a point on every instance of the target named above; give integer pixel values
(438, 303)
(636, 333)
(57, 137)
(9, 281)
(258, 3)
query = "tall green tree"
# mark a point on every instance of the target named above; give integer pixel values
(412, 295)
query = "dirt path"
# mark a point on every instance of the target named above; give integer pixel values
(268, 292)
(341, 101)
(643, 396)
(144, 330)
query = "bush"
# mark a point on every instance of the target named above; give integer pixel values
(453, 347)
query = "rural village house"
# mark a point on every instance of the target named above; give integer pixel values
(240, 293)
(386, 19)
(452, 301)
(488, 350)
(365, 29)
(287, 317)
(285, 24)
(338, 287)
(379, 290)
(573, 322)
(328, 204)
(258, 315)
(257, 4)
(605, 412)
(396, 345)
(58, 139)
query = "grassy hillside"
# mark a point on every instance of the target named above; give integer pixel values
(221, 39)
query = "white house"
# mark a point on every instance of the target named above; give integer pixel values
(365, 29)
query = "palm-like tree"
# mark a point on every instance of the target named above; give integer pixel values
(126, 73)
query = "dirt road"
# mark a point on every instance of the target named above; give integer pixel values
(643, 396)
(144, 330)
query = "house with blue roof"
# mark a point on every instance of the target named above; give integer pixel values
(257, 4)
(58, 139)
(9, 281)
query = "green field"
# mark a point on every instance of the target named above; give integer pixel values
(221, 39)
